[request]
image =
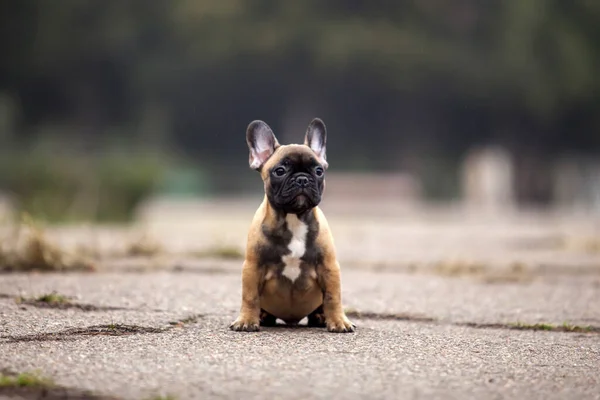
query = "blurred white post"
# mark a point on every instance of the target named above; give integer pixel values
(488, 179)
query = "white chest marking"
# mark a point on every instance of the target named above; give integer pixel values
(297, 247)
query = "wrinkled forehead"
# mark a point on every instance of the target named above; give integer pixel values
(296, 154)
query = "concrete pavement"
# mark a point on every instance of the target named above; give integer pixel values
(448, 305)
(426, 336)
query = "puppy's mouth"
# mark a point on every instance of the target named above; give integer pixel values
(297, 199)
(300, 201)
(295, 192)
(301, 198)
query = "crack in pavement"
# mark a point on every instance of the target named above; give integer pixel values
(100, 330)
(65, 305)
(533, 327)
(388, 316)
(123, 329)
(192, 319)
(94, 330)
(520, 326)
(69, 305)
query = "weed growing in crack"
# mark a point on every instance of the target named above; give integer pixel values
(565, 327)
(532, 327)
(25, 379)
(53, 298)
(576, 328)
(521, 326)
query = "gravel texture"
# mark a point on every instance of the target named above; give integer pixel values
(201, 358)
(436, 296)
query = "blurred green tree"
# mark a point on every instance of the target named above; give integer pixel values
(399, 83)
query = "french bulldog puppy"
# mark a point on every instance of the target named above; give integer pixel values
(290, 269)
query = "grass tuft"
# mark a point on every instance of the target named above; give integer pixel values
(25, 379)
(33, 251)
(144, 246)
(53, 298)
(565, 327)
(532, 327)
(576, 328)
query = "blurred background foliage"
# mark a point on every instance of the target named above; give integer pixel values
(115, 99)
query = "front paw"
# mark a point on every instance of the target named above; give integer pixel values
(340, 324)
(245, 325)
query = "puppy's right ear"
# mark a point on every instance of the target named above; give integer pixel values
(262, 143)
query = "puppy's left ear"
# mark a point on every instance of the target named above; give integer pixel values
(316, 139)
(262, 143)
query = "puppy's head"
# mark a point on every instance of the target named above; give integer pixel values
(294, 175)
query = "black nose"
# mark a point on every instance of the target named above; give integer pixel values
(302, 181)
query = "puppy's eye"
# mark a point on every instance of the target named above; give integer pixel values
(279, 171)
(319, 171)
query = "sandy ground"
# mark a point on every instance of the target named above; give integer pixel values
(437, 295)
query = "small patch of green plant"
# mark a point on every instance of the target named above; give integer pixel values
(576, 328)
(565, 327)
(53, 298)
(25, 379)
(163, 397)
(533, 327)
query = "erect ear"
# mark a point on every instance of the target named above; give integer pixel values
(261, 142)
(316, 139)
